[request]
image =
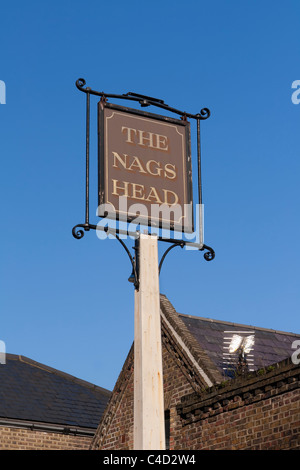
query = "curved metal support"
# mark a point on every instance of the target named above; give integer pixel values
(166, 252)
(208, 256)
(80, 84)
(78, 234)
(143, 100)
(204, 114)
(133, 262)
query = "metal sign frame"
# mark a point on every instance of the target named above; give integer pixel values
(103, 169)
(145, 101)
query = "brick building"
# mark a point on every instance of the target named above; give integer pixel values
(43, 408)
(210, 401)
(213, 399)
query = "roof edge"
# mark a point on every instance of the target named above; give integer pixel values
(239, 324)
(115, 399)
(72, 378)
(47, 427)
(190, 342)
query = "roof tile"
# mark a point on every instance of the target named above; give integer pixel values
(35, 392)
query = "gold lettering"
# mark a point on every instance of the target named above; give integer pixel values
(150, 137)
(137, 191)
(123, 162)
(158, 168)
(116, 188)
(152, 167)
(145, 138)
(162, 142)
(153, 194)
(138, 188)
(137, 164)
(169, 170)
(130, 131)
(142, 139)
(176, 199)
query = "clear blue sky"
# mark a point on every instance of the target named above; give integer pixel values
(67, 303)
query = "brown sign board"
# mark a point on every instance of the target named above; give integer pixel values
(144, 159)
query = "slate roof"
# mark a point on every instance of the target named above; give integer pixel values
(270, 346)
(34, 392)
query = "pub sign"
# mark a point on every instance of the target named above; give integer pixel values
(144, 159)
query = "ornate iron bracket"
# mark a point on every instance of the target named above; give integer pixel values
(208, 256)
(167, 251)
(143, 100)
(79, 229)
(134, 277)
(78, 233)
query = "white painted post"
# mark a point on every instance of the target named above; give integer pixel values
(149, 421)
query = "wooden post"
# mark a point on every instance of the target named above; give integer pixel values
(149, 425)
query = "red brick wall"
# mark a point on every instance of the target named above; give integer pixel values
(120, 435)
(176, 386)
(257, 412)
(26, 439)
(270, 424)
(118, 432)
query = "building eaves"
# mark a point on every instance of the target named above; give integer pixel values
(266, 383)
(47, 427)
